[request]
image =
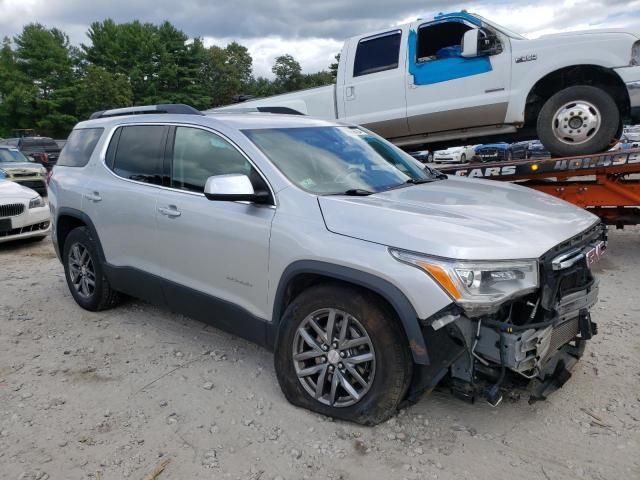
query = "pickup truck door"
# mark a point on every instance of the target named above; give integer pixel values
(373, 92)
(448, 92)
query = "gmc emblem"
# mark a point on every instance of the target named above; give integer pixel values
(595, 254)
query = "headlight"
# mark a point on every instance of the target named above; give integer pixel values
(635, 53)
(478, 287)
(36, 202)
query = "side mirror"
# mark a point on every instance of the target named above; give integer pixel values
(480, 41)
(470, 43)
(233, 188)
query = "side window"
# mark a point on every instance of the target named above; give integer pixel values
(198, 155)
(139, 153)
(440, 40)
(376, 54)
(79, 147)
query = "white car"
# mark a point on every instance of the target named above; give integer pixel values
(454, 154)
(23, 213)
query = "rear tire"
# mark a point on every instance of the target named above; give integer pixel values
(85, 274)
(579, 120)
(388, 374)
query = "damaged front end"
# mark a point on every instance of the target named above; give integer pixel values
(536, 338)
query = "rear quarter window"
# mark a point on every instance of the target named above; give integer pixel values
(79, 147)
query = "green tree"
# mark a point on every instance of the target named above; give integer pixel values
(46, 87)
(227, 72)
(288, 73)
(100, 89)
(333, 68)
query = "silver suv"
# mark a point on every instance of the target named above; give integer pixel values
(371, 276)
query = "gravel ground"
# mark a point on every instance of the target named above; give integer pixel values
(112, 395)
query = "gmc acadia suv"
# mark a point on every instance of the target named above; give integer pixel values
(372, 277)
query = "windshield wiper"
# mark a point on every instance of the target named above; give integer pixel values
(356, 192)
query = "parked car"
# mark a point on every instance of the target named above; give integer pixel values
(625, 143)
(462, 76)
(496, 152)
(43, 150)
(454, 154)
(16, 167)
(424, 156)
(372, 277)
(535, 149)
(23, 213)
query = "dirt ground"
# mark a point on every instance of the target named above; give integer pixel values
(112, 395)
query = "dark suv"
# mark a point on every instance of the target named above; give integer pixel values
(43, 150)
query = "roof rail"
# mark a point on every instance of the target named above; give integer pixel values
(176, 108)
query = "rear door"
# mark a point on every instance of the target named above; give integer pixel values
(121, 197)
(374, 83)
(218, 248)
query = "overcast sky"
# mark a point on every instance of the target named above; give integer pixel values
(311, 30)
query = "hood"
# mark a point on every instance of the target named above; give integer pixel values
(459, 218)
(15, 192)
(595, 31)
(450, 150)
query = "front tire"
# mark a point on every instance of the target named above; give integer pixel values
(85, 274)
(341, 352)
(463, 158)
(579, 120)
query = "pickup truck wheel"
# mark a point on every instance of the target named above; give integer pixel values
(578, 120)
(341, 352)
(84, 273)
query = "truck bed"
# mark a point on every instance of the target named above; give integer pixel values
(319, 102)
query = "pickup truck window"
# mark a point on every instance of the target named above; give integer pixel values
(440, 40)
(335, 160)
(377, 54)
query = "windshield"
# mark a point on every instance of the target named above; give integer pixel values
(13, 156)
(500, 28)
(334, 160)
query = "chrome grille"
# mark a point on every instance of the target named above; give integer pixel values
(11, 209)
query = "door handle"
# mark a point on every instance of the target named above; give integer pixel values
(350, 93)
(93, 196)
(171, 211)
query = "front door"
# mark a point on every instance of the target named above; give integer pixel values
(449, 92)
(215, 248)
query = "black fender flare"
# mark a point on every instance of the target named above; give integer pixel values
(392, 294)
(84, 218)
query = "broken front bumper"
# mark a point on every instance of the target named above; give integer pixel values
(527, 350)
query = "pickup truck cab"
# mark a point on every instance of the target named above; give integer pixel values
(461, 76)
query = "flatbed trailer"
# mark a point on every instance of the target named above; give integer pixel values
(607, 184)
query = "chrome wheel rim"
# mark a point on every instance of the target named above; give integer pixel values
(576, 122)
(334, 357)
(81, 270)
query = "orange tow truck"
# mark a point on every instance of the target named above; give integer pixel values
(607, 184)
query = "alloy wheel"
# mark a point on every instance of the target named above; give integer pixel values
(81, 270)
(334, 357)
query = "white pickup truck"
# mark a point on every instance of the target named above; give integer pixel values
(461, 76)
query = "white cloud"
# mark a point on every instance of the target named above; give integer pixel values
(314, 54)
